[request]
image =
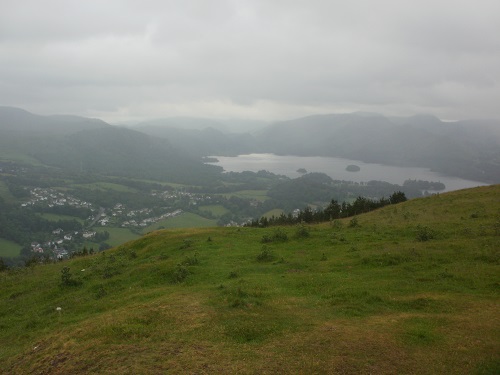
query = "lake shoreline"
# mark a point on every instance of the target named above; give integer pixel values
(288, 165)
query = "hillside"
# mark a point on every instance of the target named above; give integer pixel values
(90, 146)
(408, 289)
(23, 123)
(203, 142)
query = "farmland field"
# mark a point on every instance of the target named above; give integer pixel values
(216, 210)
(5, 193)
(260, 195)
(118, 236)
(57, 217)
(9, 249)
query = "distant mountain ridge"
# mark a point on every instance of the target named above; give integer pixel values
(19, 121)
(468, 149)
(201, 123)
(83, 145)
(204, 142)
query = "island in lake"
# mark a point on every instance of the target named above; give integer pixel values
(353, 168)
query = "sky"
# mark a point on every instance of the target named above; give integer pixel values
(264, 60)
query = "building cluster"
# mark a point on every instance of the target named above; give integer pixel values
(192, 198)
(52, 198)
(117, 216)
(150, 220)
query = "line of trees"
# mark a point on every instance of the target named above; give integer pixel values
(334, 210)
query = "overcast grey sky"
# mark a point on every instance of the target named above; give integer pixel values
(252, 59)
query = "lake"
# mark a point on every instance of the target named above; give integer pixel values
(336, 169)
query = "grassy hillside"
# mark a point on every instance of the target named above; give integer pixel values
(409, 289)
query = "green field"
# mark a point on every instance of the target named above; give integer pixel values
(13, 155)
(184, 220)
(106, 186)
(216, 210)
(5, 193)
(118, 236)
(260, 195)
(276, 213)
(165, 184)
(57, 217)
(411, 288)
(9, 249)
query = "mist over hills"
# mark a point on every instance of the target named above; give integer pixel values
(24, 123)
(197, 123)
(206, 141)
(125, 152)
(200, 123)
(92, 146)
(468, 149)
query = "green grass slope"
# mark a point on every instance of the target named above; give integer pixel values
(408, 289)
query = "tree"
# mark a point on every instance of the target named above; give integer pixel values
(397, 197)
(3, 266)
(332, 211)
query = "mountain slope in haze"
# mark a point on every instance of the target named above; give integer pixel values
(200, 123)
(185, 123)
(204, 142)
(81, 145)
(409, 288)
(125, 152)
(24, 123)
(467, 149)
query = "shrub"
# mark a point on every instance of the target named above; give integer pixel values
(302, 231)
(424, 233)
(265, 255)
(279, 235)
(3, 266)
(190, 261)
(337, 237)
(180, 274)
(336, 224)
(100, 292)
(66, 276)
(354, 222)
(186, 244)
(266, 239)
(66, 279)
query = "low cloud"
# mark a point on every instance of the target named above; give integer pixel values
(250, 59)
